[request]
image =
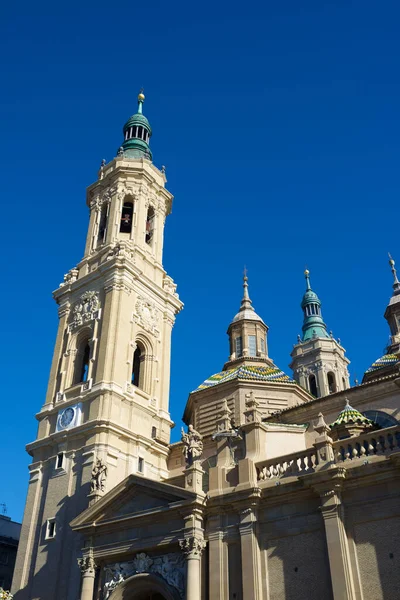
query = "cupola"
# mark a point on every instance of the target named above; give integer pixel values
(247, 334)
(137, 134)
(313, 324)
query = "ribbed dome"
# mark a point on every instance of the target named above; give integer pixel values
(137, 119)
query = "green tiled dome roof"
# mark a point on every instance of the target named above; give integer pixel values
(351, 415)
(247, 373)
(384, 361)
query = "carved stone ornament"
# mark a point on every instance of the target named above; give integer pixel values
(170, 567)
(192, 444)
(169, 285)
(87, 564)
(121, 249)
(146, 315)
(85, 310)
(70, 277)
(99, 476)
(192, 547)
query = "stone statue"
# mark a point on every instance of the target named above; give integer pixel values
(99, 476)
(192, 444)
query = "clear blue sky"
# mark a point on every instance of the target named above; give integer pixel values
(279, 126)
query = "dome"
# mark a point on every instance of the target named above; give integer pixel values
(248, 314)
(137, 119)
(387, 360)
(270, 374)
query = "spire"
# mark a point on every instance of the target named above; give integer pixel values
(313, 324)
(246, 311)
(396, 282)
(137, 134)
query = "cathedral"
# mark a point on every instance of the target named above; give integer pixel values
(282, 487)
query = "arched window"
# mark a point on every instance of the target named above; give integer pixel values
(126, 218)
(331, 382)
(101, 234)
(138, 366)
(312, 382)
(82, 359)
(381, 418)
(150, 225)
(343, 383)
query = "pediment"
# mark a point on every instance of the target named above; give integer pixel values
(132, 497)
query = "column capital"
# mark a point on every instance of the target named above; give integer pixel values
(328, 484)
(87, 564)
(192, 547)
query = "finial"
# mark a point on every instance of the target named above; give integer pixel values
(393, 268)
(141, 99)
(307, 276)
(246, 297)
(163, 169)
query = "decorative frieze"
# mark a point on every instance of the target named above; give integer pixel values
(171, 567)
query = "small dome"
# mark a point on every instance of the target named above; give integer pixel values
(351, 415)
(247, 314)
(310, 297)
(137, 119)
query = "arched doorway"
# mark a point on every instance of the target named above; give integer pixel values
(145, 586)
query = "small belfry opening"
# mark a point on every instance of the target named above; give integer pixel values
(101, 234)
(312, 382)
(137, 378)
(150, 225)
(331, 382)
(82, 359)
(126, 217)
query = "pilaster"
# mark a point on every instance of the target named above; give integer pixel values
(329, 485)
(251, 560)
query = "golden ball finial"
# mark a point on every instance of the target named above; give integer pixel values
(141, 96)
(306, 272)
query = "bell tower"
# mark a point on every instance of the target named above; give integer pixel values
(319, 362)
(108, 392)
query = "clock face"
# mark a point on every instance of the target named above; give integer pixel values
(67, 417)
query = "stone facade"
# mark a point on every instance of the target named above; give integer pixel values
(258, 501)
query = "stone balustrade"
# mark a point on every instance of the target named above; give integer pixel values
(375, 443)
(297, 463)
(381, 442)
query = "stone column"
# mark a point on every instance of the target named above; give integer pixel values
(88, 569)
(251, 562)
(336, 537)
(192, 547)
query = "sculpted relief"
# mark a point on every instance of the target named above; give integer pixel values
(146, 315)
(170, 567)
(85, 310)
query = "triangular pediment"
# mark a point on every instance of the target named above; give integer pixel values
(132, 497)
